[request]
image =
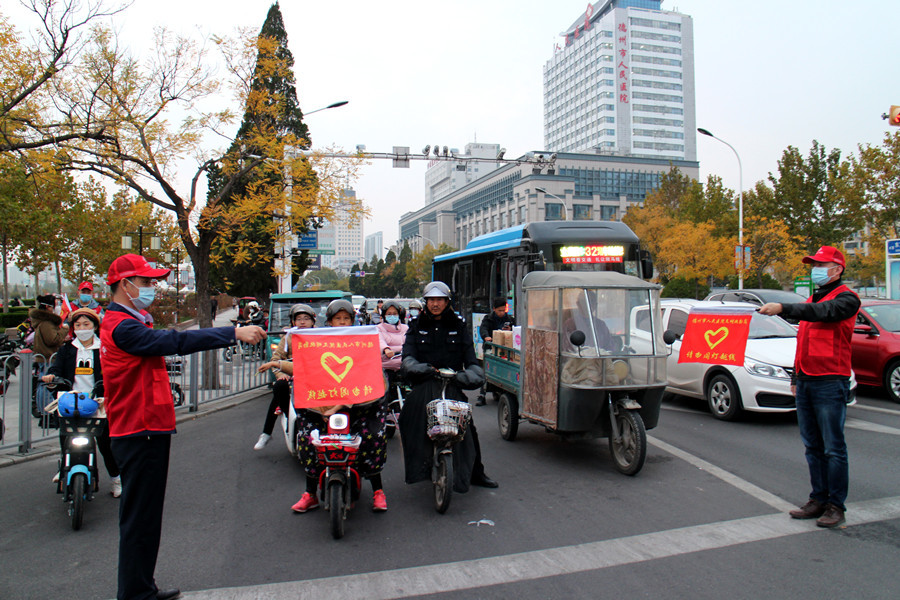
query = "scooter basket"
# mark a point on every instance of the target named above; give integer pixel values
(447, 419)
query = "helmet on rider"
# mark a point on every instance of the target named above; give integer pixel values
(337, 306)
(436, 289)
(302, 309)
(415, 304)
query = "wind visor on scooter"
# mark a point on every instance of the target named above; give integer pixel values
(76, 404)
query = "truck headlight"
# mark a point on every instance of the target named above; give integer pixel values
(761, 369)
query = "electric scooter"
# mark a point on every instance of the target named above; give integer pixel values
(78, 475)
(339, 481)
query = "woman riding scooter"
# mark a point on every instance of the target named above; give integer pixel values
(78, 361)
(367, 419)
(303, 317)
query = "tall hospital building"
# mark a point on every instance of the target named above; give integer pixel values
(621, 81)
(618, 114)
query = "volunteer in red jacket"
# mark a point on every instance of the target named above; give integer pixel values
(822, 383)
(141, 412)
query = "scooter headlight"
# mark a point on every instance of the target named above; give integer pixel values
(80, 441)
(338, 421)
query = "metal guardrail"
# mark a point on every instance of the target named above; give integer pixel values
(196, 379)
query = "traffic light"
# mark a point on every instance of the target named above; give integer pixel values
(894, 116)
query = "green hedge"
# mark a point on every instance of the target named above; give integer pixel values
(10, 320)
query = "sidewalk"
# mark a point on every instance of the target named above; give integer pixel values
(50, 447)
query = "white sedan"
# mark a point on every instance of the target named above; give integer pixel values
(762, 384)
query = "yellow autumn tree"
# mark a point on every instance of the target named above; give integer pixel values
(696, 252)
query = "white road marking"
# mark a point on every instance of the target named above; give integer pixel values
(878, 409)
(552, 562)
(757, 492)
(869, 426)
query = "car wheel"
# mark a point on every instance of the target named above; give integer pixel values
(723, 397)
(892, 380)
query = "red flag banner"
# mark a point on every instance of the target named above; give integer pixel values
(336, 365)
(716, 337)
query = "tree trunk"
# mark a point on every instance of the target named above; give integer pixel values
(5, 276)
(58, 277)
(199, 253)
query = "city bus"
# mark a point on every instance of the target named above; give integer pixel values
(493, 265)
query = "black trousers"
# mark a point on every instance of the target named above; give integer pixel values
(144, 462)
(281, 396)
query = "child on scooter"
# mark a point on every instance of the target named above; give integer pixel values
(368, 418)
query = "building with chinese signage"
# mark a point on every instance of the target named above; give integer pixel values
(621, 82)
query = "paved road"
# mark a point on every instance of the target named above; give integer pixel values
(704, 519)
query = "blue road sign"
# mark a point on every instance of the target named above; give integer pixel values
(309, 240)
(893, 246)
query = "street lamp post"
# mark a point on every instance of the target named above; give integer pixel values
(546, 193)
(426, 240)
(740, 204)
(283, 254)
(168, 256)
(332, 105)
(155, 240)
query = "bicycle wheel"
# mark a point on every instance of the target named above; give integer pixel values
(79, 487)
(336, 506)
(443, 481)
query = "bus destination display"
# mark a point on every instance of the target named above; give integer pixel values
(591, 254)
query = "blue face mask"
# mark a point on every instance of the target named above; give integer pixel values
(413, 313)
(146, 296)
(819, 275)
(85, 298)
(392, 319)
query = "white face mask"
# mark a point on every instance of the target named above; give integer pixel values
(84, 335)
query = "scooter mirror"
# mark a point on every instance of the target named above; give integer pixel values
(670, 336)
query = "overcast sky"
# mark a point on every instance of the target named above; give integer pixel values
(769, 73)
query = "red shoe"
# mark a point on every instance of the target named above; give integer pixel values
(307, 502)
(379, 502)
(277, 410)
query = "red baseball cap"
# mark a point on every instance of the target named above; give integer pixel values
(132, 265)
(86, 285)
(826, 254)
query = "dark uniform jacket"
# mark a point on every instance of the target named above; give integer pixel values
(490, 323)
(433, 344)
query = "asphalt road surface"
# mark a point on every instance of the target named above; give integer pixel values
(705, 518)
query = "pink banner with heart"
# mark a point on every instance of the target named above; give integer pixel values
(718, 338)
(336, 365)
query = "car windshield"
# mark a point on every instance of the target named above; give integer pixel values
(887, 316)
(280, 317)
(765, 327)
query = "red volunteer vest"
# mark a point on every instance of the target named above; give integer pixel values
(824, 348)
(138, 394)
